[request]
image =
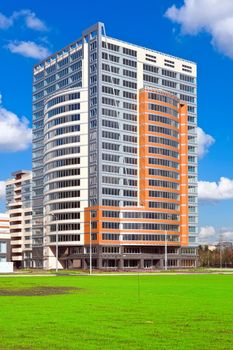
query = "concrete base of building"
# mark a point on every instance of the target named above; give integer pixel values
(127, 258)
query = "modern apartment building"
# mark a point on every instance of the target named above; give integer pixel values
(5, 251)
(18, 202)
(114, 156)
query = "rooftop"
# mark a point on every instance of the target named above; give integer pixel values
(20, 172)
(93, 29)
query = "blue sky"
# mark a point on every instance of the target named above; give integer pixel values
(195, 30)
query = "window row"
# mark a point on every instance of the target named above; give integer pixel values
(61, 173)
(149, 226)
(166, 184)
(161, 130)
(110, 146)
(163, 98)
(63, 141)
(60, 99)
(61, 152)
(161, 194)
(109, 112)
(62, 131)
(164, 120)
(164, 205)
(61, 195)
(62, 120)
(62, 184)
(65, 227)
(163, 109)
(164, 173)
(63, 205)
(66, 238)
(149, 215)
(163, 141)
(63, 109)
(66, 216)
(164, 152)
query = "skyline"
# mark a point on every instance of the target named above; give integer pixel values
(216, 198)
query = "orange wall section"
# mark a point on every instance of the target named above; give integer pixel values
(183, 112)
(144, 176)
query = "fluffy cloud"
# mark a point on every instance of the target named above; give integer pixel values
(215, 191)
(206, 232)
(211, 235)
(15, 133)
(28, 49)
(35, 23)
(29, 17)
(211, 16)
(5, 22)
(31, 21)
(204, 142)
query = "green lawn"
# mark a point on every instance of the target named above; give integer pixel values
(119, 312)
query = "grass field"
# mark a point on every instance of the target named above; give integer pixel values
(118, 312)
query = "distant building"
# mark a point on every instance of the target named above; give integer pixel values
(18, 202)
(212, 247)
(224, 245)
(5, 250)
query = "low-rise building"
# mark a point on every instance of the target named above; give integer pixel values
(18, 202)
(5, 250)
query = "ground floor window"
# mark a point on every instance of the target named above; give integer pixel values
(131, 263)
(148, 264)
(109, 263)
(172, 263)
(188, 263)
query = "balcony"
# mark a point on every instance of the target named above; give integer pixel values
(17, 250)
(15, 235)
(15, 210)
(16, 242)
(16, 227)
(17, 258)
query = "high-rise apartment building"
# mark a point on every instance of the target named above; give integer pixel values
(5, 251)
(18, 202)
(114, 156)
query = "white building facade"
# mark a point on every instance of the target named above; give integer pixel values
(86, 155)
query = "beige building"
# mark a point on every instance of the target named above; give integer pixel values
(18, 202)
(4, 238)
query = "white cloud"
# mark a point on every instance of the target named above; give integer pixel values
(28, 49)
(15, 133)
(227, 235)
(204, 142)
(215, 191)
(30, 18)
(207, 232)
(5, 22)
(2, 190)
(212, 235)
(211, 16)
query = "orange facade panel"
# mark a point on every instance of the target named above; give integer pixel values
(183, 113)
(146, 97)
(170, 178)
